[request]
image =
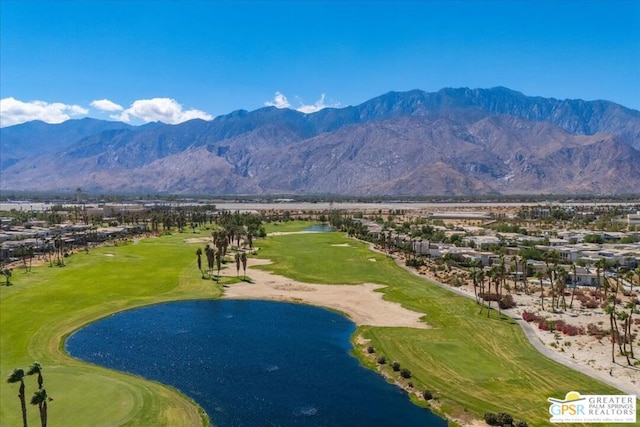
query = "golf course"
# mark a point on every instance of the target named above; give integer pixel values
(473, 364)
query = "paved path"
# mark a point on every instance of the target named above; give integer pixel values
(536, 342)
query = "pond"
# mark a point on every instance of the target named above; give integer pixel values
(251, 363)
(320, 227)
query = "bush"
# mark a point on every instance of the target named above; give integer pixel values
(573, 330)
(405, 373)
(395, 366)
(427, 395)
(371, 350)
(559, 324)
(505, 419)
(507, 302)
(501, 419)
(491, 418)
(521, 423)
(414, 262)
(529, 317)
(382, 360)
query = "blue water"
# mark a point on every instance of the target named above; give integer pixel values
(319, 227)
(251, 363)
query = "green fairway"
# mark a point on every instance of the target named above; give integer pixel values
(473, 363)
(43, 306)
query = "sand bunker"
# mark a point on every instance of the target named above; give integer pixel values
(360, 302)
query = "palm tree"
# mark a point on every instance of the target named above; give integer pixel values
(7, 272)
(575, 283)
(631, 305)
(525, 279)
(493, 278)
(243, 258)
(18, 376)
(623, 317)
(250, 238)
(219, 256)
(600, 264)
(610, 309)
(513, 268)
(481, 277)
(199, 255)
(209, 253)
(561, 280)
(237, 258)
(36, 369)
(474, 276)
(539, 276)
(40, 398)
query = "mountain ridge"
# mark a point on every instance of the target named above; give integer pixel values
(450, 142)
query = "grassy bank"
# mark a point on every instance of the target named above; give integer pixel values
(473, 363)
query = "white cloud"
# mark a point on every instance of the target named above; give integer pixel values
(317, 106)
(106, 105)
(164, 110)
(281, 101)
(14, 111)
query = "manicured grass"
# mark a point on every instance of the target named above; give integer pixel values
(288, 226)
(43, 306)
(474, 363)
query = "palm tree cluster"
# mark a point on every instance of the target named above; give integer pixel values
(235, 231)
(39, 398)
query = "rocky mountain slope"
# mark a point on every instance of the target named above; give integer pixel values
(452, 142)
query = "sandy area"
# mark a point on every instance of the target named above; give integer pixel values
(583, 353)
(360, 302)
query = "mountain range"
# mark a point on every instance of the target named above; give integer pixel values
(451, 142)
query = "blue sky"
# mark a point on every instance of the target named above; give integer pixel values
(174, 60)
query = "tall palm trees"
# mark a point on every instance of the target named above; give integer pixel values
(237, 259)
(601, 264)
(40, 398)
(36, 369)
(199, 255)
(18, 376)
(561, 283)
(540, 276)
(243, 259)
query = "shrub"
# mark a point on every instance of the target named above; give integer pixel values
(507, 302)
(405, 373)
(546, 325)
(395, 366)
(559, 324)
(382, 360)
(572, 330)
(505, 419)
(491, 418)
(427, 395)
(414, 262)
(529, 317)
(520, 423)
(371, 350)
